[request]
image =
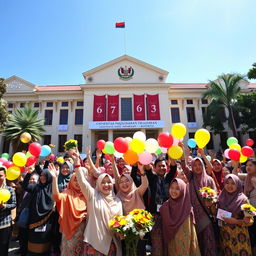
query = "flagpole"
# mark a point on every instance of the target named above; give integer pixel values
(124, 42)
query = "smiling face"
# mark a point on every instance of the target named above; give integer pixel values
(43, 178)
(250, 167)
(125, 184)
(161, 168)
(174, 190)
(65, 170)
(106, 186)
(197, 167)
(230, 185)
(216, 166)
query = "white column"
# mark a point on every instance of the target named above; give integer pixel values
(110, 135)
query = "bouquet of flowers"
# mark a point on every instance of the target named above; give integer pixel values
(133, 227)
(248, 210)
(70, 144)
(208, 194)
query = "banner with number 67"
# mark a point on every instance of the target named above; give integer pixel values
(99, 108)
(113, 108)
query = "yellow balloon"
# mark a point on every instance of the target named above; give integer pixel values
(5, 195)
(243, 159)
(179, 130)
(202, 137)
(175, 152)
(104, 151)
(235, 146)
(25, 137)
(19, 159)
(60, 160)
(13, 173)
(137, 145)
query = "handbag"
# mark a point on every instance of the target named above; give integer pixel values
(23, 218)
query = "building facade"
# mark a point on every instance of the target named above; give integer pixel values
(118, 98)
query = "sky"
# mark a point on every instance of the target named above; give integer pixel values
(52, 42)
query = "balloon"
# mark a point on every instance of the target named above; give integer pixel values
(121, 144)
(175, 152)
(8, 164)
(109, 147)
(19, 159)
(192, 143)
(25, 137)
(118, 155)
(130, 157)
(129, 139)
(60, 160)
(107, 157)
(5, 155)
(179, 130)
(28, 154)
(145, 158)
(247, 151)
(13, 173)
(226, 153)
(104, 151)
(52, 157)
(175, 142)
(5, 195)
(232, 140)
(45, 151)
(137, 145)
(243, 159)
(209, 158)
(235, 146)
(249, 142)
(234, 154)
(35, 148)
(31, 160)
(165, 140)
(151, 145)
(164, 150)
(202, 137)
(158, 152)
(101, 144)
(3, 160)
(139, 135)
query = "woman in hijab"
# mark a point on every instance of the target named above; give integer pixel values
(66, 172)
(71, 205)
(178, 222)
(198, 178)
(103, 205)
(41, 214)
(234, 236)
(217, 169)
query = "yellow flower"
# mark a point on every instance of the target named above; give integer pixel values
(122, 222)
(111, 223)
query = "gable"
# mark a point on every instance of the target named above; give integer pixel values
(16, 84)
(125, 69)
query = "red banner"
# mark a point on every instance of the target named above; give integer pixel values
(113, 107)
(139, 107)
(153, 107)
(99, 108)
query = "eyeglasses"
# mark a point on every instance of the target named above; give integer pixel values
(123, 182)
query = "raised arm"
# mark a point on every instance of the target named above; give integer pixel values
(187, 171)
(117, 176)
(98, 158)
(144, 180)
(25, 184)
(209, 168)
(93, 169)
(55, 189)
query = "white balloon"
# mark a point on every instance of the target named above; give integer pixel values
(151, 145)
(118, 154)
(139, 135)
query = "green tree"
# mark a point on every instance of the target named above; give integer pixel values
(23, 120)
(252, 72)
(3, 111)
(225, 91)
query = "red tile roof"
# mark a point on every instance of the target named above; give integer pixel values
(53, 88)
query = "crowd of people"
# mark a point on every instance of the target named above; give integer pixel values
(65, 209)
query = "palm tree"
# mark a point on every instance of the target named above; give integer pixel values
(23, 120)
(225, 90)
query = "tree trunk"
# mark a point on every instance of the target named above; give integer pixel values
(232, 121)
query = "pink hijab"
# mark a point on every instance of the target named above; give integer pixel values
(175, 211)
(219, 175)
(248, 187)
(232, 201)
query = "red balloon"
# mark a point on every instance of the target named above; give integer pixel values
(247, 151)
(107, 157)
(8, 164)
(165, 140)
(31, 160)
(101, 144)
(249, 142)
(22, 169)
(35, 149)
(52, 156)
(121, 145)
(3, 160)
(234, 154)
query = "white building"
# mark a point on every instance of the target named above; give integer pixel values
(141, 100)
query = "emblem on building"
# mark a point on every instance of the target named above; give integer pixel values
(125, 73)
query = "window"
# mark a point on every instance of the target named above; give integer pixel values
(210, 145)
(22, 105)
(79, 116)
(191, 115)
(204, 101)
(64, 104)
(174, 102)
(47, 139)
(62, 140)
(63, 116)
(48, 117)
(191, 135)
(79, 138)
(80, 104)
(189, 101)
(36, 105)
(49, 104)
(175, 112)
(126, 109)
(10, 105)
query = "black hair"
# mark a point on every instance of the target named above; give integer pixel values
(67, 155)
(2, 168)
(159, 160)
